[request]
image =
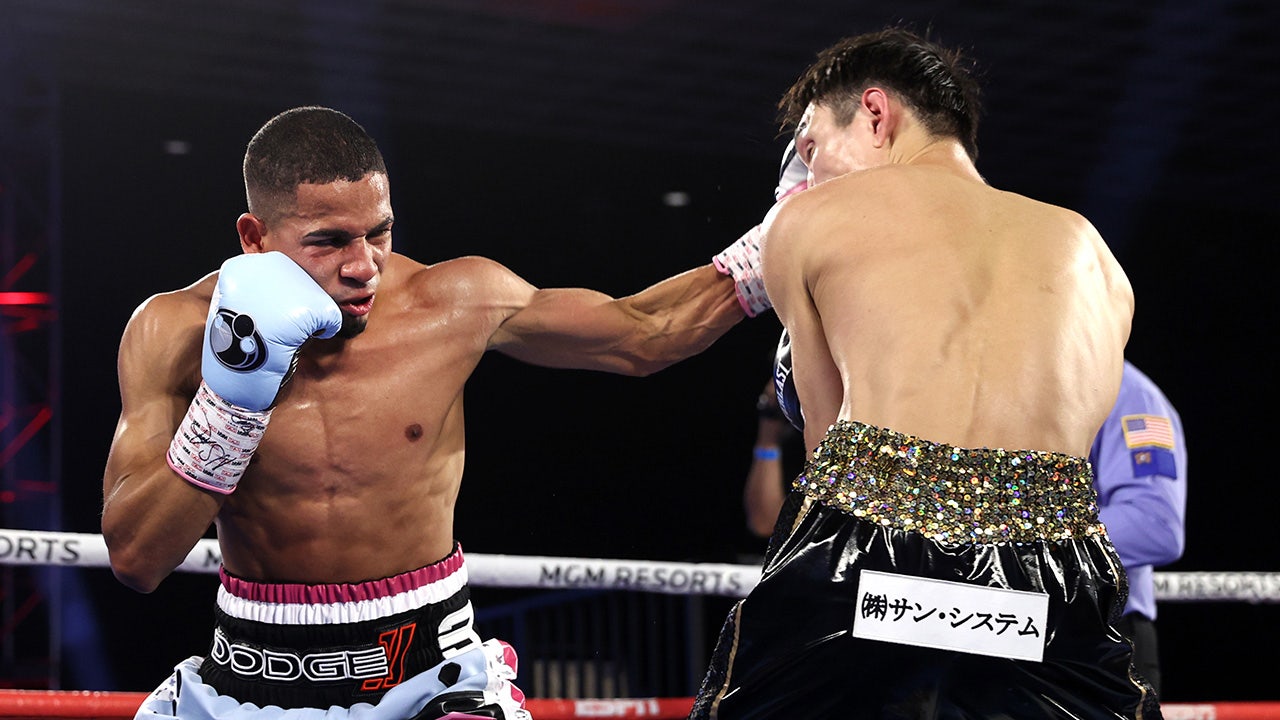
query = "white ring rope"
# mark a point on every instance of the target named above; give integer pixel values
(37, 547)
(61, 549)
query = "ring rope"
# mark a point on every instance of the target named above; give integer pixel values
(39, 547)
(85, 704)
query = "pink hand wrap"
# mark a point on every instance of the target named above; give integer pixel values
(741, 261)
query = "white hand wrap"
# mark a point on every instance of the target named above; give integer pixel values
(741, 261)
(215, 441)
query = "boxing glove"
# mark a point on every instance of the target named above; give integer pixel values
(264, 307)
(793, 175)
(741, 260)
(785, 384)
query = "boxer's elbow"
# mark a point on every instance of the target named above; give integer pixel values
(137, 576)
(135, 567)
(138, 582)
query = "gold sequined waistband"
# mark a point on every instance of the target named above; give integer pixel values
(950, 494)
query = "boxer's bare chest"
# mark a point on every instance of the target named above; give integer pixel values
(374, 406)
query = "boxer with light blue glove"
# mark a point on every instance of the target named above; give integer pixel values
(264, 308)
(341, 544)
(741, 260)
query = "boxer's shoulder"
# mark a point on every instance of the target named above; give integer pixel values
(171, 311)
(462, 281)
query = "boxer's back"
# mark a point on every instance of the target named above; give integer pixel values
(940, 307)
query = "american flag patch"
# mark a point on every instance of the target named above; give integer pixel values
(1147, 430)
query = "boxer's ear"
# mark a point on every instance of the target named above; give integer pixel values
(251, 230)
(882, 114)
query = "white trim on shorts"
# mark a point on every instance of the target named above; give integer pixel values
(341, 612)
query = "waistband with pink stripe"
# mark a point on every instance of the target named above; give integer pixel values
(299, 603)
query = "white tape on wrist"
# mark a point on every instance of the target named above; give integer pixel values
(741, 261)
(215, 441)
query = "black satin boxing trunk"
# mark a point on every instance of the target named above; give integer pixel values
(871, 499)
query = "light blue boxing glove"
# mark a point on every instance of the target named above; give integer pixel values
(264, 308)
(741, 260)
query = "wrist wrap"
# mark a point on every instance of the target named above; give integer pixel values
(741, 261)
(215, 441)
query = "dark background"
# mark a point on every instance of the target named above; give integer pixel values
(546, 134)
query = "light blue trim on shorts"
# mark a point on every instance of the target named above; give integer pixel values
(184, 695)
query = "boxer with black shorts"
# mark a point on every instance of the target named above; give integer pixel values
(387, 643)
(953, 350)
(307, 399)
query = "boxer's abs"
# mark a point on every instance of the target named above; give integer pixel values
(327, 536)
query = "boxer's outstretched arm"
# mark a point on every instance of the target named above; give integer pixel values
(634, 335)
(150, 518)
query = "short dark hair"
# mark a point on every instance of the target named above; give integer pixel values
(934, 81)
(305, 145)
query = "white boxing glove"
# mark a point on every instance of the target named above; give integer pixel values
(264, 308)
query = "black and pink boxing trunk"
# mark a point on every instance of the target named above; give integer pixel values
(294, 645)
